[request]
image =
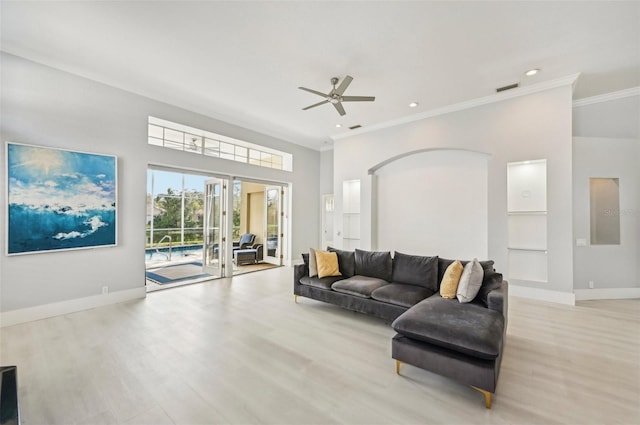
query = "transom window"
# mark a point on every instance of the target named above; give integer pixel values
(188, 139)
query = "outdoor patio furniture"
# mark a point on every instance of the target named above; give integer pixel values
(246, 256)
(246, 240)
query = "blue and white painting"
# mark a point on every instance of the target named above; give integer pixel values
(59, 199)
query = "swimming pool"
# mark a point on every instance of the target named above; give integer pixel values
(176, 252)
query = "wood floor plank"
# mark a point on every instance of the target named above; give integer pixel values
(240, 351)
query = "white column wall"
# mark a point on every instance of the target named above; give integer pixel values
(607, 144)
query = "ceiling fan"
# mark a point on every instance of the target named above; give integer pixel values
(335, 96)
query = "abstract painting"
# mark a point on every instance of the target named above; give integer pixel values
(59, 199)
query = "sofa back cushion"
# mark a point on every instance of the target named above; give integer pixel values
(490, 281)
(415, 270)
(346, 261)
(374, 264)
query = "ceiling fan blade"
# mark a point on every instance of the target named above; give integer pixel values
(313, 91)
(343, 85)
(315, 104)
(339, 108)
(358, 98)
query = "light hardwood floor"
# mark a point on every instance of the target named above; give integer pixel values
(241, 351)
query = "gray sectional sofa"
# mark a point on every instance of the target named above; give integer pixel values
(462, 341)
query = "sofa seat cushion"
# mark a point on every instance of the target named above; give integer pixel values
(360, 286)
(401, 294)
(320, 282)
(466, 328)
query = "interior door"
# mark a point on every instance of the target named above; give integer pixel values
(214, 235)
(327, 221)
(273, 237)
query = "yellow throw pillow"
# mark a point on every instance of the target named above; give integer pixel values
(450, 280)
(328, 264)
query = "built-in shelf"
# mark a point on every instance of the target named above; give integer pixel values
(527, 220)
(526, 212)
(351, 214)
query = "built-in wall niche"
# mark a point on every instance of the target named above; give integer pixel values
(604, 199)
(527, 220)
(351, 214)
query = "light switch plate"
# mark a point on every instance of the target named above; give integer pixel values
(581, 242)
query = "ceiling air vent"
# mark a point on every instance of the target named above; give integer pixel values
(353, 127)
(509, 87)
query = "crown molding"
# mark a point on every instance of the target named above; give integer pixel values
(474, 103)
(620, 94)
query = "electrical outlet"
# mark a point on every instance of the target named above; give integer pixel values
(591, 286)
(105, 290)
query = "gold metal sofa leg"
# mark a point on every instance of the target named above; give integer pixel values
(295, 299)
(487, 396)
(398, 363)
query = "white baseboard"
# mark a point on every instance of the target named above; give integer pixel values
(14, 317)
(606, 293)
(542, 294)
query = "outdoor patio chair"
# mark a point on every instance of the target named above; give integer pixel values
(246, 240)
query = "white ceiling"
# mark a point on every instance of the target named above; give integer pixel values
(242, 61)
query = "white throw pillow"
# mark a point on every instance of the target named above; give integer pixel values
(470, 281)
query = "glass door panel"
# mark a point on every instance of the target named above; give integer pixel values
(213, 247)
(273, 226)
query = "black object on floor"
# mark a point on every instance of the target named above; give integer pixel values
(9, 408)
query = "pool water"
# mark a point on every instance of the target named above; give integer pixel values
(176, 252)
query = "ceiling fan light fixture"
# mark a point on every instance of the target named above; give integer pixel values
(532, 72)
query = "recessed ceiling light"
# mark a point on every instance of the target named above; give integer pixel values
(413, 104)
(531, 72)
(338, 125)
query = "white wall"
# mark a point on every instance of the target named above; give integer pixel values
(534, 126)
(326, 172)
(608, 266)
(442, 194)
(617, 118)
(44, 106)
(608, 146)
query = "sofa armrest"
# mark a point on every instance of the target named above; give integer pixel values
(498, 299)
(299, 271)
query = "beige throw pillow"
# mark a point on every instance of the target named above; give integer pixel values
(313, 264)
(450, 280)
(470, 281)
(327, 264)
